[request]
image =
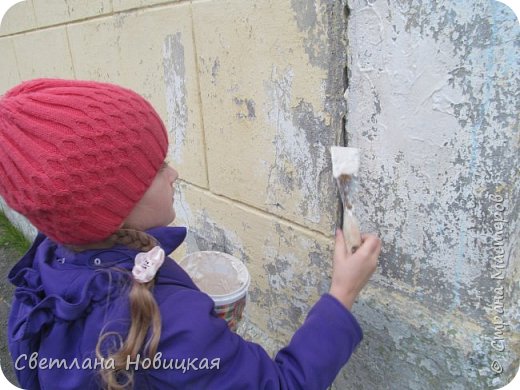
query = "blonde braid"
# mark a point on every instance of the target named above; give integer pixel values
(131, 238)
(144, 313)
(136, 239)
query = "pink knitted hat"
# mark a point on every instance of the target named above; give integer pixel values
(77, 156)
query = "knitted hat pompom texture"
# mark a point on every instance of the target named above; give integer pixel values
(77, 156)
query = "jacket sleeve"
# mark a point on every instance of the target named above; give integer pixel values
(193, 334)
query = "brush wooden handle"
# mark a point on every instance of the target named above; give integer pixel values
(351, 230)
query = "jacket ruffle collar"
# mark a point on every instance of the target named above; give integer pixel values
(55, 283)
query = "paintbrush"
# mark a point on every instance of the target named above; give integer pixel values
(345, 167)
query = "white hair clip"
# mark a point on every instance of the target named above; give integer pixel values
(147, 264)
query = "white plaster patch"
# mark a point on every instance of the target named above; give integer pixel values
(176, 108)
(401, 111)
(293, 152)
(200, 224)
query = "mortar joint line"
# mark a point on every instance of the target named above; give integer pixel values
(70, 51)
(16, 60)
(199, 95)
(94, 17)
(238, 203)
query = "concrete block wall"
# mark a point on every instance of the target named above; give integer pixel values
(252, 93)
(252, 100)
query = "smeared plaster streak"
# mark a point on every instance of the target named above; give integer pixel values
(203, 226)
(404, 88)
(401, 327)
(432, 115)
(296, 159)
(182, 208)
(431, 105)
(174, 76)
(477, 130)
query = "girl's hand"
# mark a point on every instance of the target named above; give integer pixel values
(351, 271)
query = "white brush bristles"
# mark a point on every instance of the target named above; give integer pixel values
(345, 161)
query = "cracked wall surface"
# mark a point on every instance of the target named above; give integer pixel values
(254, 93)
(432, 103)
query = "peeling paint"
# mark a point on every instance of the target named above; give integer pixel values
(174, 78)
(307, 14)
(214, 70)
(248, 105)
(429, 182)
(301, 142)
(432, 104)
(204, 234)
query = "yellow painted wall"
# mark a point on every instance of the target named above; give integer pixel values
(245, 89)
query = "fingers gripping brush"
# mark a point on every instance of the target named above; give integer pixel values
(345, 167)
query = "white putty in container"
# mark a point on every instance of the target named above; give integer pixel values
(215, 273)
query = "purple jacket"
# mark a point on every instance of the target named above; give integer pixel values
(63, 301)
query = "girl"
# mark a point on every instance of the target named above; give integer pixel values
(96, 305)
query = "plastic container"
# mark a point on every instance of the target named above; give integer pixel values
(224, 278)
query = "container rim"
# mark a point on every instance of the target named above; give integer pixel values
(225, 299)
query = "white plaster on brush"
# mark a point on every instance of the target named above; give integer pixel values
(345, 161)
